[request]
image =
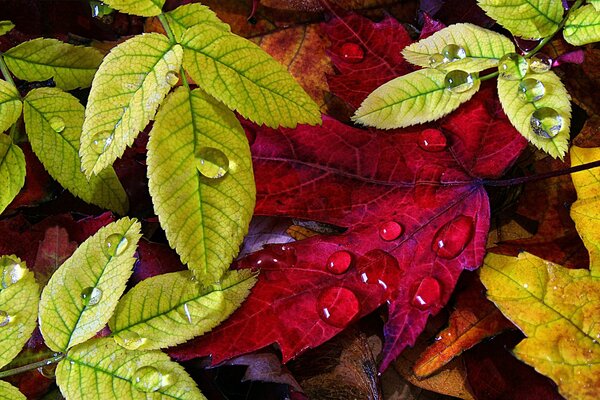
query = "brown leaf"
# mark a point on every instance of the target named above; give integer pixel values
(265, 367)
(53, 250)
(583, 81)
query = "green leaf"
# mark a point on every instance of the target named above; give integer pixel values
(483, 48)
(127, 90)
(583, 26)
(245, 78)
(10, 105)
(5, 27)
(411, 99)
(530, 19)
(12, 171)
(179, 309)
(205, 219)
(41, 59)
(83, 293)
(143, 8)
(100, 369)
(186, 16)
(19, 298)
(53, 121)
(595, 3)
(519, 112)
(9, 392)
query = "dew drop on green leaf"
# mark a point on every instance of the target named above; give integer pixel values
(4, 318)
(436, 60)
(531, 90)
(101, 141)
(58, 124)
(458, 81)
(512, 67)
(453, 52)
(129, 340)
(540, 63)
(115, 245)
(546, 122)
(12, 271)
(184, 311)
(172, 78)
(91, 296)
(149, 379)
(213, 163)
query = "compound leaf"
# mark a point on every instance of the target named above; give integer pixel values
(10, 105)
(12, 170)
(144, 8)
(9, 392)
(184, 17)
(583, 26)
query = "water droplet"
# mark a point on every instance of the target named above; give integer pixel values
(427, 294)
(435, 60)
(12, 271)
(48, 371)
(101, 141)
(458, 81)
(172, 78)
(184, 311)
(4, 318)
(512, 67)
(129, 340)
(546, 122)
(531, 90)
(91, 296)
(147, 379)
(352, 53)
(273, 256)
(390, 230)
(378, 267)
(58, 124)
(115, 245)
(339, 262)
(432, 140)
(213, 163)
(540, 63)
(453, 52)
(452, 238)
(338, 306)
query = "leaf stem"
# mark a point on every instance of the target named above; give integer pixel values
(32, 366)
(538, 177)
(5, 71)
(489, 76)
(165, 24)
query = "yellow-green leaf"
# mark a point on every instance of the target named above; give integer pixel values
(12, 171)
(83, 293)
(5, 27)
(411, 99)
(10, 105)
(245, 78)
(19, 298)
(40, 59)
(483, 48)
(186, 16)
(9, 392)
(100, 370)
(530, 19)
(179, 308)
(195, 137)
(595, 3)
(144, 8)
(583, 26)
(520, 112)
(127, 90)
(53, 121)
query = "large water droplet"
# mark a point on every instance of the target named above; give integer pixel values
(101, 141)
(390, 230)
(115, 245)
(458, 81)
(531, 90)
(273, 256)
(540, 63)
(452, 238)
(48, 371)
(435, 60)
(12, 271)
(546, 122)
(129, 340)
(58, 124)
(147, 379)
(339, 262)
(4, 318)
(338, 306)
(378, 267)
(91, 296)
(213, 163)
(427, 294)
(352, 52)
(512, 67)
(453, 52)
(172, 78)
(432, 140)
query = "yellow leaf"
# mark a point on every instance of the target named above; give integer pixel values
(12, 170)
(9, 392)
(10, 105)
(144, 8)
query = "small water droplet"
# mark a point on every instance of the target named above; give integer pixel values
(540, 63)
(427, 294)
(147, 379)
(58, 124)
(546, 122)
(12, 271)
(172, 78)
(352, 53)
(452, 238)
(390, 230)
(512, 67)
(129, 340)
(337, 306)
(213, 163)
(91, 296)
(432, 140)
(101, 141)
(458, 81)
(531, 90)
(273, 256)
(48, 371)
(184, 311)
(115, 245)
(4, 318)
(453, 52)
(339, 262)
(435, 60)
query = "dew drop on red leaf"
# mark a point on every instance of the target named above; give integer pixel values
(273, 256)
(427, 294)
(390, 230)
(378, 267)
(352, 53)
(452, 238)
(432, 140)
(339, 262)
(338, 306)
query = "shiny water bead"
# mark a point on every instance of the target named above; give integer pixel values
(512, 67)
(115, 245)
(339, 262)
(338, 306)
(12, 271)
(427, 294)
(546, 122)
(213, 163)
(57, 124)
(452, 238)
(390, 230)
(453, 52)
(4, 318)
(531, 90)
(352, 52)
(101, 141)
(147, 379)
(48, 371)
(459, 81)
(540, 63)
(435, 60)
(129, 340)
(91, 296)
(172, 78)
(432, 140)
